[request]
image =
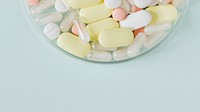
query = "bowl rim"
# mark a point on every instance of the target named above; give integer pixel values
(175, 26)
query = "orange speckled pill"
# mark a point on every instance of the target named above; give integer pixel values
(118, 14)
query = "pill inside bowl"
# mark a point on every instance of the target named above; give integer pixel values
(105, 30)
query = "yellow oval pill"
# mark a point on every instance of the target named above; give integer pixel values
(95, 13)
(163, 13)
(95, 28)
(73, 45)
(77, 4)
(117, 37)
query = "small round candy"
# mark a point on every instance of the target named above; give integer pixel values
(52, 31)
(32, 2)
(74, 30)
(119, 14)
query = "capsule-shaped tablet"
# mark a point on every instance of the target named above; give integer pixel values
(131, 2)
(153, 39)
(164, 2)
(81, 29)
(120, 54)
(143, 3)
(67, 22)
(60, 6)
(73, 45)
(125, 6)
(153, 3)
(77, 4)
(163, 13)
(116, 37)
(179, 3)
(112, 4)
(97, 46)
(95, 13)
(99, 56)
(136, 20)
(42, 6)
(95, 28)
(134, 48)
(49, 18)
(157, 28)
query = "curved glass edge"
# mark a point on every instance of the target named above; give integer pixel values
(176, 24)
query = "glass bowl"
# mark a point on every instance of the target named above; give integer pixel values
(115, 55)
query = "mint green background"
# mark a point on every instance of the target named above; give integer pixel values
(36, 77)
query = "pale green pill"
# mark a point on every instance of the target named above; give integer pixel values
(95, 28)
(95, 13)
(77, 4)
(73, 44)
(116, 37)
(163, 13)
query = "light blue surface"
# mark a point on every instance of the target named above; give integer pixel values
(36, 77)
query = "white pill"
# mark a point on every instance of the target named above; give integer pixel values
(134, 49)
(179, 3)
(49, 18)
(156, 28)
(153, 3)
(112, 4)
(42, 6)
(60, 6)
(131, 2)
(152, 40)
(143, 3)
(82, 32)
(67, 22)
(97, 46)
(120, 54)
(136, 20)
(52, 31)
(163, 2)
(99, 56)
(126, 6)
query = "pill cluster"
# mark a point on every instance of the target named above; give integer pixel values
(105, 30)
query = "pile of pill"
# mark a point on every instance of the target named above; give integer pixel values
(105, 30)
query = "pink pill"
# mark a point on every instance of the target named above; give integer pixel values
(74, 30)
(32, 2)
(118, 14)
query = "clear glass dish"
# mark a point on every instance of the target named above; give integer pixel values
(182, 8)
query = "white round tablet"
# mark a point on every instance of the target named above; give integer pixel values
(52, 31)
